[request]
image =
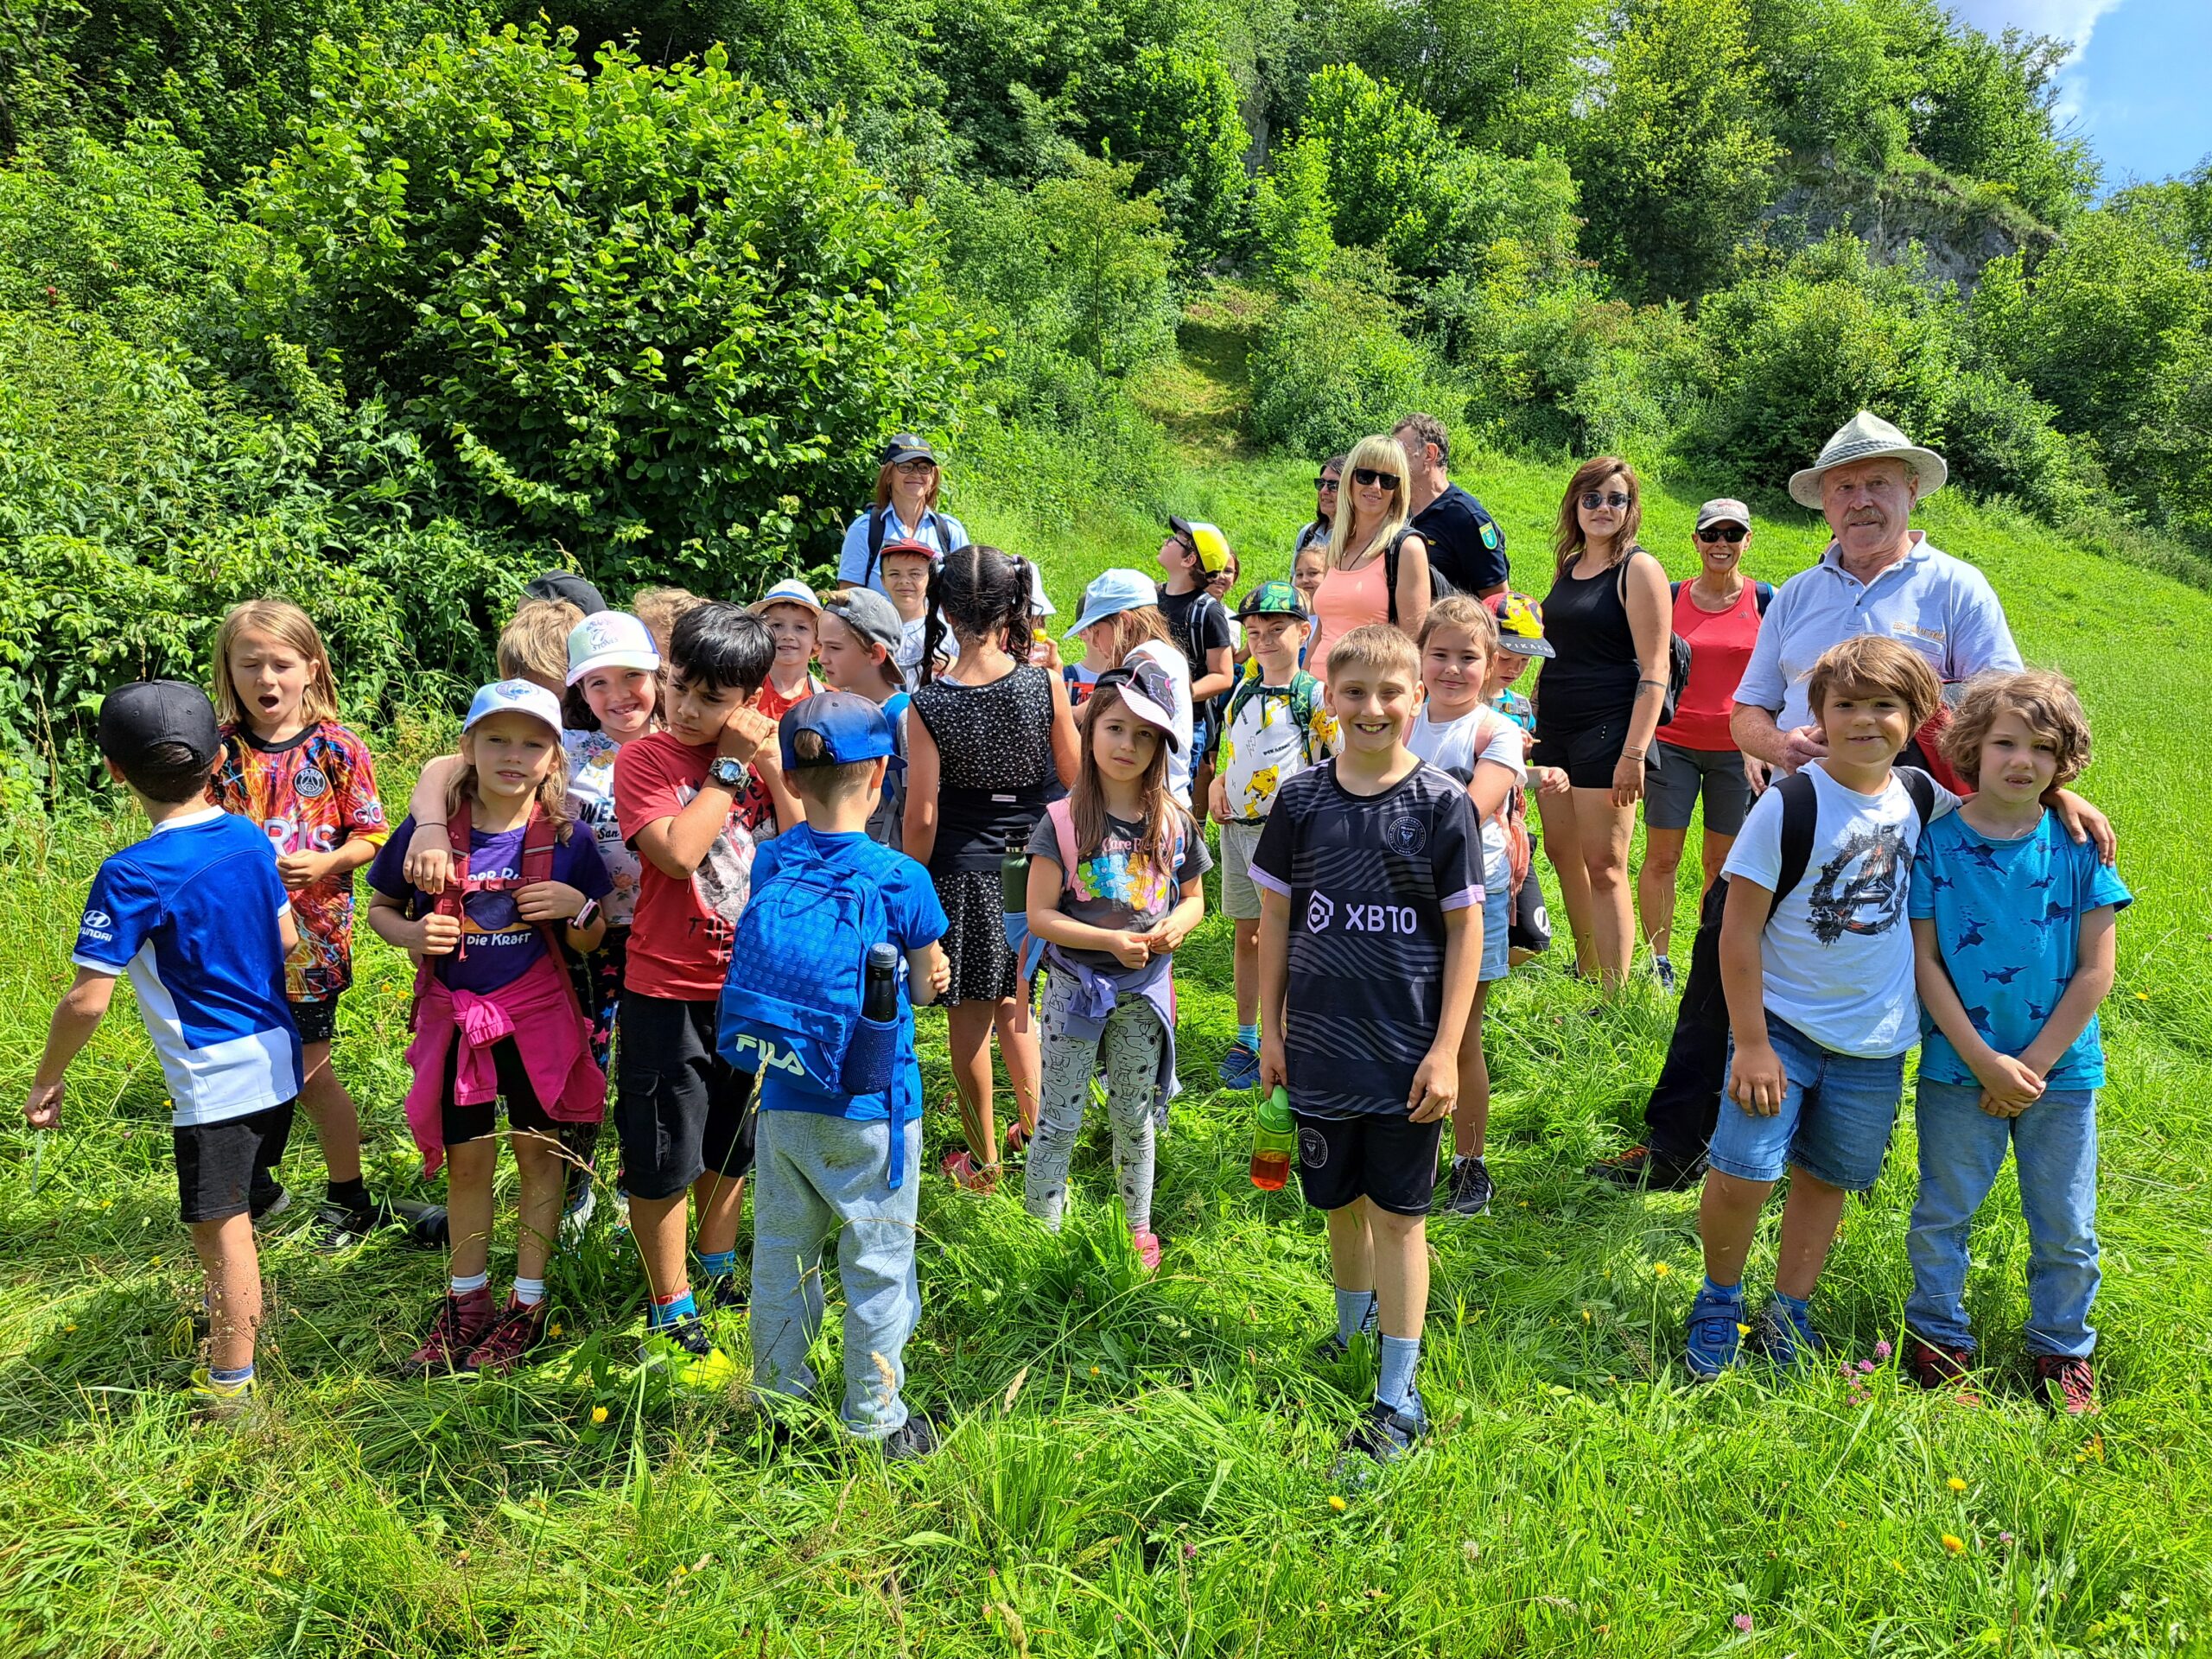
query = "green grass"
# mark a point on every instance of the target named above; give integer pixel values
(1143, 1467)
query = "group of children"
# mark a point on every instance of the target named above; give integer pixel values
(803, 818)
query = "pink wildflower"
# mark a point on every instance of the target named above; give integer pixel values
(1742, 1621)
(1883, 1350)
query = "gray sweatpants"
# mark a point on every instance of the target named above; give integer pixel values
(817, 1178)
(1130, 1051)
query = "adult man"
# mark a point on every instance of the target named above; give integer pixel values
(1879, 576)
(1466, 546)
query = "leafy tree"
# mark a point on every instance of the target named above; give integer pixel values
(1335, 365)
(1179, 122)
(1987, 109)
(1502, 74)
(1292, 215)
(1840, 73)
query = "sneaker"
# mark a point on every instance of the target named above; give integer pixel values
(513, 1334)
(429, 1230)
(1714, 1333)
(1384, 1434)
(583, 1202)
(1665, 971)
(1240, 1066)
(687, 1355)
(728, 1294)
(266, 1202)
(2067, 1383)
(1785, 1336)
(338, 1227)
(915, 1438)
(213, 1401)
(1147, 1247)
(960, 1169)
(1935, 1368)
(1332, 1349)
(1648, 1168)
(1468, 1189)
(461, 1324)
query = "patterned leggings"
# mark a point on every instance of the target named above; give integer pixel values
(1131, 1047)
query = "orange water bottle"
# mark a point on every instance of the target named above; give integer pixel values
(1274, 1141)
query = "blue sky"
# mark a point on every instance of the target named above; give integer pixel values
(2135, 85)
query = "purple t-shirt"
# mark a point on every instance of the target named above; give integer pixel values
(497, 946)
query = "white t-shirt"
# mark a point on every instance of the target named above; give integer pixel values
(1837, 954)
(1170, 656)
(1456, 746)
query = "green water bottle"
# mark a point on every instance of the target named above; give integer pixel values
(1274, 1141)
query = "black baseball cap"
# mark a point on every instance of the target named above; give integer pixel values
(137, 718)
(905, 445)
(566, 584)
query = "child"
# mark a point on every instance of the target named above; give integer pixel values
(1458, 732)
(860, 636)
(1307, 566)
(905, 573)
(830, 1162)
(660, 609)
(1120, 620)
(1277, 727)
(988, 743)
(793, 613)
(1519, 638)
(1218, 587)
(690, 798)
(1196, 622)
(2012, 926)
(197, 914)
(1816, 961)
(495, 1015)
(310, 784)
(1117, 883)
(1371, 937)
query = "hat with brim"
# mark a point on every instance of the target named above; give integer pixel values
(906, 446)
(1204, 539)
(869, 615)
(1273, 599)
(1867, 437)
(851, 729)
(514, 698)
(1147, 691)
(1724, 510)
(1110, 593)
(1519, 624)
(790, 591)
(909, 545)
(610, 639)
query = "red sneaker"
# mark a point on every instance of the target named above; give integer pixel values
(2067, 1383)
(1148, 1246)
(461, 1323)
(1935, 1368)
(513, 1334)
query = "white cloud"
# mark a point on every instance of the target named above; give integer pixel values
(2069, 20)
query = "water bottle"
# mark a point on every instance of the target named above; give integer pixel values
(871, 1050)
(1014, 881)
(1275, 1141)
(879, 989)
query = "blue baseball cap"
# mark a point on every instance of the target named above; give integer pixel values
(514, 698)
(851, 729)
(1111, 592)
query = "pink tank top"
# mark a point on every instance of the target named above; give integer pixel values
(1346, 599)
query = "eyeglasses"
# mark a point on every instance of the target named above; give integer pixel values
(1722, 533)
(911, 467)
(1593, 500)
(1325, 483)
(1368, 478)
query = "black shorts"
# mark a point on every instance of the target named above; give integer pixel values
(1529, 927)
(317, 1018)
(1389, 1162)
(682, 1110)
(217, 1163)
(1587, 750)
(461, 1124)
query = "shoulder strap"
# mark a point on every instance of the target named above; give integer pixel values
(1062, 817)
(538, 839)
(1390, 569)
(1673, 590)
(1921, 787)
(1800, 811)
(1763, 592)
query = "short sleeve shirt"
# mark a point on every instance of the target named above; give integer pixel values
(1273, 733)
(1464, 544)
(1457, 747)
(311, 793)
(1836, 957)
(1117, 886)
(2008, 921)
(1199, 623)
(1369, 879)
(191, 914)
(497, 946)
(913, 918)
(680, 929)
(591, 796)
(938, 529)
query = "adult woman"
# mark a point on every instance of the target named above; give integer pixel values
(906, 483)
(1371, 520)
(1326, 483)
(1719, 614)
(1597, 704)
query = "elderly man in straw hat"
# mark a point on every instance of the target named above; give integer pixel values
(1879, 575)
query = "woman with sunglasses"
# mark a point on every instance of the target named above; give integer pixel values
(1325, 485)
(906, 483)
(1368, 534)
(1598, 705)
(1719, 614)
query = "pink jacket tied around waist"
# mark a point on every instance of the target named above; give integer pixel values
(539, 1012)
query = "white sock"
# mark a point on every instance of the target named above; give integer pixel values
(529, 1292)
(475, 1281)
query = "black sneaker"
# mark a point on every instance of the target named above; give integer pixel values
(728, 1294)
(915, 1438)
(268, 1201)
(1384, 1435)
(339, 1226)
(1648, 1168)
(1468, 1189)
(429, 1228)
(1665, 971)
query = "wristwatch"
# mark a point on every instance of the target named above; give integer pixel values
(727, 772)
(587, 915)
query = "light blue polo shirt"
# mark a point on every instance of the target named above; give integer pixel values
(1942, 607)
(938, 529)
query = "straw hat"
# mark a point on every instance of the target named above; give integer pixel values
(1867, 437)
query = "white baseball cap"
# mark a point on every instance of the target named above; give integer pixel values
(514, 698)
(610, 639)
(790, 591)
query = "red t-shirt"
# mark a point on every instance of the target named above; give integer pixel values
(772, 702)
(680, 933)
(1720, 649)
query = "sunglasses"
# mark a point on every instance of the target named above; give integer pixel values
(1593, 500)
(1325, 483)
(1722, 533)
(1368, 478)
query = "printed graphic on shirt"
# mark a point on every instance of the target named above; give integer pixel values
(1273, 733)
(1862, 889)
(591, 797)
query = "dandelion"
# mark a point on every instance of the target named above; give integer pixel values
(1660, 1270)
(553, 1330)
(1883, 1350)
(1094, 1371)
(1955, 1483)
(1953, 1542)
(1742, 1622)
(1841, 1523)
(67, 1329)
(1743, 1330)
(599, 1414)
(2142, 996)
(1337, 1503)
(1585, 1316)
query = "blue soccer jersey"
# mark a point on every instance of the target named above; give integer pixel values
(191, 914)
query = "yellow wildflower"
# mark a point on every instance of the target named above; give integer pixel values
(1337, 1503)
(1953, 1542)
(1955, 1483)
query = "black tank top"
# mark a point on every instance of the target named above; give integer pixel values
(1593, 677)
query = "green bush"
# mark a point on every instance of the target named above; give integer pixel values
(1333, 365)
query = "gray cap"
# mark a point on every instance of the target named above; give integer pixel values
(869, 614)
(1724, 510)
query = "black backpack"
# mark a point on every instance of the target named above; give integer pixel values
(1439, 585)
(878, 518)
(1801, 812)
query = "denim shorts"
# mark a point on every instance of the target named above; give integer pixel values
(1497, 925)
(1837, 1112)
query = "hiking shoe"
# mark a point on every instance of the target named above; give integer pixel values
(1713, 1334)
(1239, 1067)
(339, 1226)
(461, 1322)
(1935, 1368)
(915, 1438)
(728, 1294)
(1147, 1244)
(1384, 1434)
(1467, 1188)
(583, 1203)
(213, 1401)
(1648, 1168)
(2067, 1383)
(513, 1333)
(687, 1355)
(1785, 1336)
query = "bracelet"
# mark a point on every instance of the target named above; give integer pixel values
(1662, 684)
(428, 823)
(1633, 754)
